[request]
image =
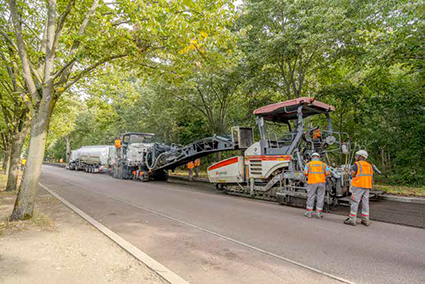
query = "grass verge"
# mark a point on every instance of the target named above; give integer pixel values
(7, 198)
(39, 221)
(401, 190)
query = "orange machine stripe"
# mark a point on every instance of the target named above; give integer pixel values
(223, 163)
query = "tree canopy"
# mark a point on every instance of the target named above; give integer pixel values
(190, 69)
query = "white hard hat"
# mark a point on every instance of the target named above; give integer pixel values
(315, 154)
(362, 153)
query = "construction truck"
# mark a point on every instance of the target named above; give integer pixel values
(73, 160)
(140, 158)
(272, 168)
(131, 160)
(91, 159)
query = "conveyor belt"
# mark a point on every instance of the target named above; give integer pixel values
(179, 155)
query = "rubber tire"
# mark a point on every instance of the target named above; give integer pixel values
(220, 186)
(145, 177)
(161, 176)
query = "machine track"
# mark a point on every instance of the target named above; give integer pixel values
(265, 197)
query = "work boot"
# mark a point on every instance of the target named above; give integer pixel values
(308, 214)
(319, 215)
(350, 221)
(366, 222)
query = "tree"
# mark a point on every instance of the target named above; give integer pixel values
(209, 94)
(63, 121)
(376, 86)
(77, 38)
(210, 77)
(4, 145)
(51, 65)
(14, 111)
(286, 40)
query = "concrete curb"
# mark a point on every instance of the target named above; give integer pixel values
(157, 267)
(416, 200)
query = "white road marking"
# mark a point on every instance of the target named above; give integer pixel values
(219, 235)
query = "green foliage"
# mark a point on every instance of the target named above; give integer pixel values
(285, 40)
(197, 69)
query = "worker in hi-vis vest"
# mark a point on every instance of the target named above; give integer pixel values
(196, 168)
(362, 173)
(316, 172)
(118, 146)
(190, 166)
(23, 162)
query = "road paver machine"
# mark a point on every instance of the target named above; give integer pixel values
(272, 168)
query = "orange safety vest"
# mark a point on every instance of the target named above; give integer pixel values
(316, 172)
(317, 133)
(190, 165)
(197, 162)
(118, 143)
(363, 176)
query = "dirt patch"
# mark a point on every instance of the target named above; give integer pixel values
(3, 180)
(57, 246)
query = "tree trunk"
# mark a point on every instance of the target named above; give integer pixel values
(6, 161)
(68, 148)
(15, 156)
(24, 205)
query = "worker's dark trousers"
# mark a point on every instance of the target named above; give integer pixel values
(196, 170)
(359, 194)
(316, 192)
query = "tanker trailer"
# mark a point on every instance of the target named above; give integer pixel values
(94, 159)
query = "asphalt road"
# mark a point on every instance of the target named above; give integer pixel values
(403, 213)
(208, 237)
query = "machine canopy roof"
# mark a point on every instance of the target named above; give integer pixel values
(287, 110)
(138, 137)
(138, 133)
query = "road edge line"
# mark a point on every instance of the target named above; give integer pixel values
(415, 200)
(151, 263)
